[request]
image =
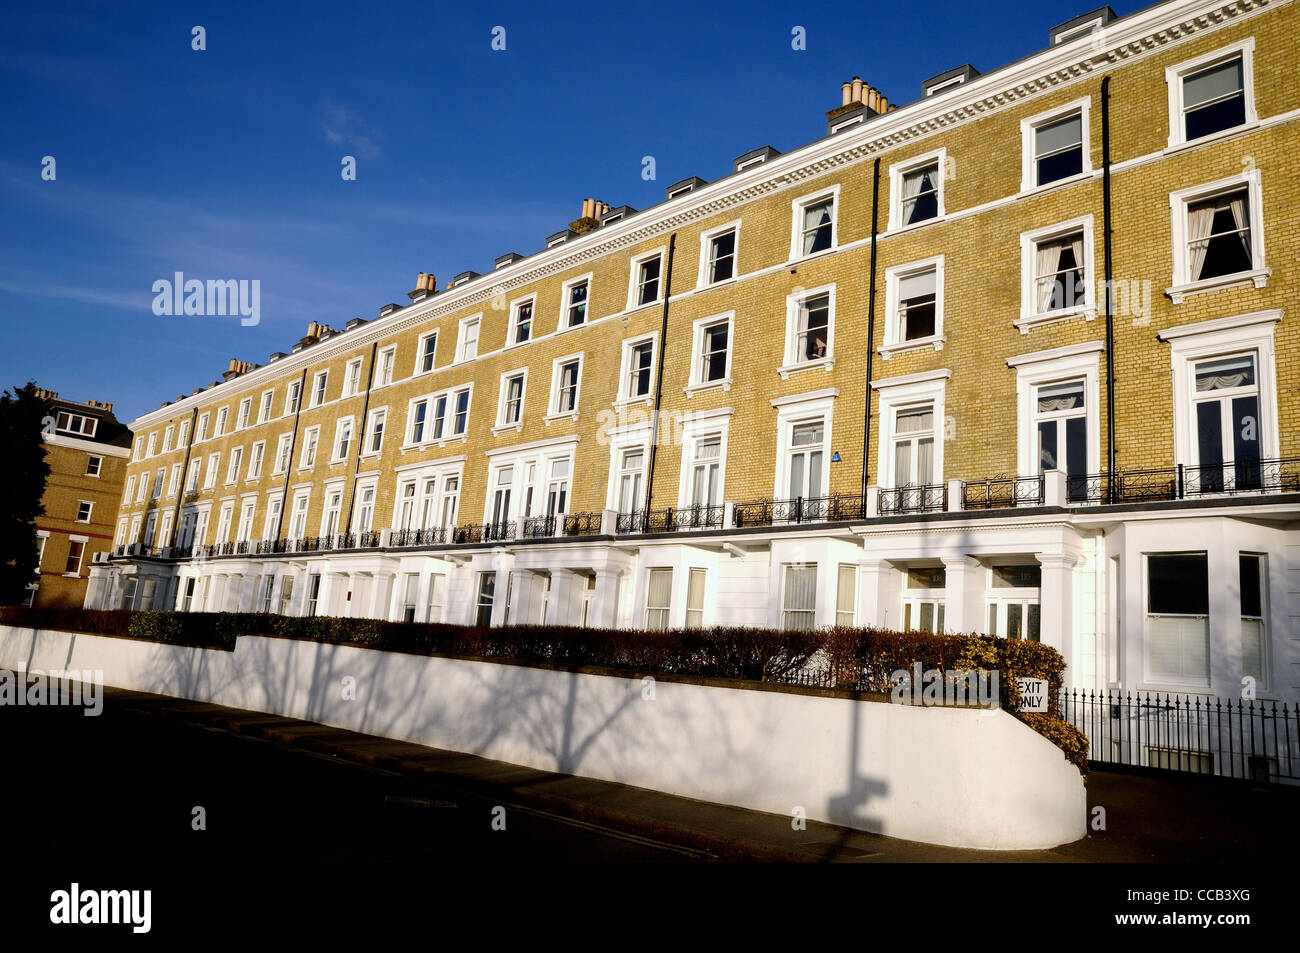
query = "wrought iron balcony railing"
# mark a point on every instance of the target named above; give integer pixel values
(913, 498)
(803, 509)
(582, 524)
(484, 532)
(1003, 492)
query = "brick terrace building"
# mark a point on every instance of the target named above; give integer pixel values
(876, 379)
(86, 448)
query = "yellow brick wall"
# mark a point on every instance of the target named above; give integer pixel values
(982, 300)
(65, 487)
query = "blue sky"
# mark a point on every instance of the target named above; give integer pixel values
(225, 163)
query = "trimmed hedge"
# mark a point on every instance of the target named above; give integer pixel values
(862, 659)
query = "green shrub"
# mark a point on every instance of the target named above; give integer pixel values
(862, 659)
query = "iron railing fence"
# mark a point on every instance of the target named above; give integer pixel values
(1234, 738)
(913, 498)
(485, 532)
(582, 524)
(537, 527)
(802, 509)
(1001, 492)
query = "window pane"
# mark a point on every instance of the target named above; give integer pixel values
(1213, 83)
(1251, 599)
(1017, 577)
(1056, 136)
(1178, 584)
(1225, 372)
(1209, 434)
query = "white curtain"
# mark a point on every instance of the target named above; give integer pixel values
(800, 596)
(1199, 220)
(1046, 261)
(1238, 206)
(658, 598)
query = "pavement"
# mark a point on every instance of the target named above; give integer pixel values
(1143, 818)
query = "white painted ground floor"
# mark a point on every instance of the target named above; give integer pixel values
(1187, 598)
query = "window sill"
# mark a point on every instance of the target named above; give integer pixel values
(1026, 322)
(913, 226)
(1083, 176)
(633, 308)
(826, 363)
(803, 259)
(556, 418)
(690, 390)
(706, 285)
(499, 429)
(1175, 147)
(1259, 278)
(935, 341)
(623, 403)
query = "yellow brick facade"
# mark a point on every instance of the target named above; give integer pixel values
(988, 336)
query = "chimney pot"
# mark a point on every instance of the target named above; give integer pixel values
(846, 93)
(856, 95)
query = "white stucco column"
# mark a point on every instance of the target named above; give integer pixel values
(1056, 607)
(878, 588)
(963, 594)
(604, 603)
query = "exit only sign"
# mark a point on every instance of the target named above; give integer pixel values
(1033, 694)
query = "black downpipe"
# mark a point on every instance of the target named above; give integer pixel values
(173, 533)
(361, 435)
(871, 334)
(1110, 316)
(293, 448)
(659, 385)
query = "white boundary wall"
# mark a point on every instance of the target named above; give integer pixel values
(958, 777)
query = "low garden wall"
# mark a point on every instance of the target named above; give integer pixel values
(964, 777)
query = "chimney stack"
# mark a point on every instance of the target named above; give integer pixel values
(237, 368)
(100, 405)
(592, 210)
(857, 93)
(44, 394)
(425, 283)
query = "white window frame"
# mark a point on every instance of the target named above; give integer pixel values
(130, 490)
(1058, 365)
(702, 279)
(292, 398)
(894, 342)
(265, 410)
(553, 406)
(900, 393)
(245, 414)
(387, 362)
(169, 434)
(376, 415)
(319, 385)
(696, 429)
(1030, 126)
(1030, 315)
(1152, 677)
(899, 170)
(234, 465)
(515, 306)
(1176, 74)
(256, 460)
(352, 377)
(420, 354)
(623, 396)
(475, 321)
(797, 207)
(283, 449)
(202, 433)
(335, 456)
(621, 440)
(98, 467)
(310, 444)
(565, 289)
(214, 466)
(1204, 340)
(802, 409)
(174, 481)
(1179, 203)
(90, 509)
(502, 424)
(790, 363)
(696, 382)
(634, 281)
